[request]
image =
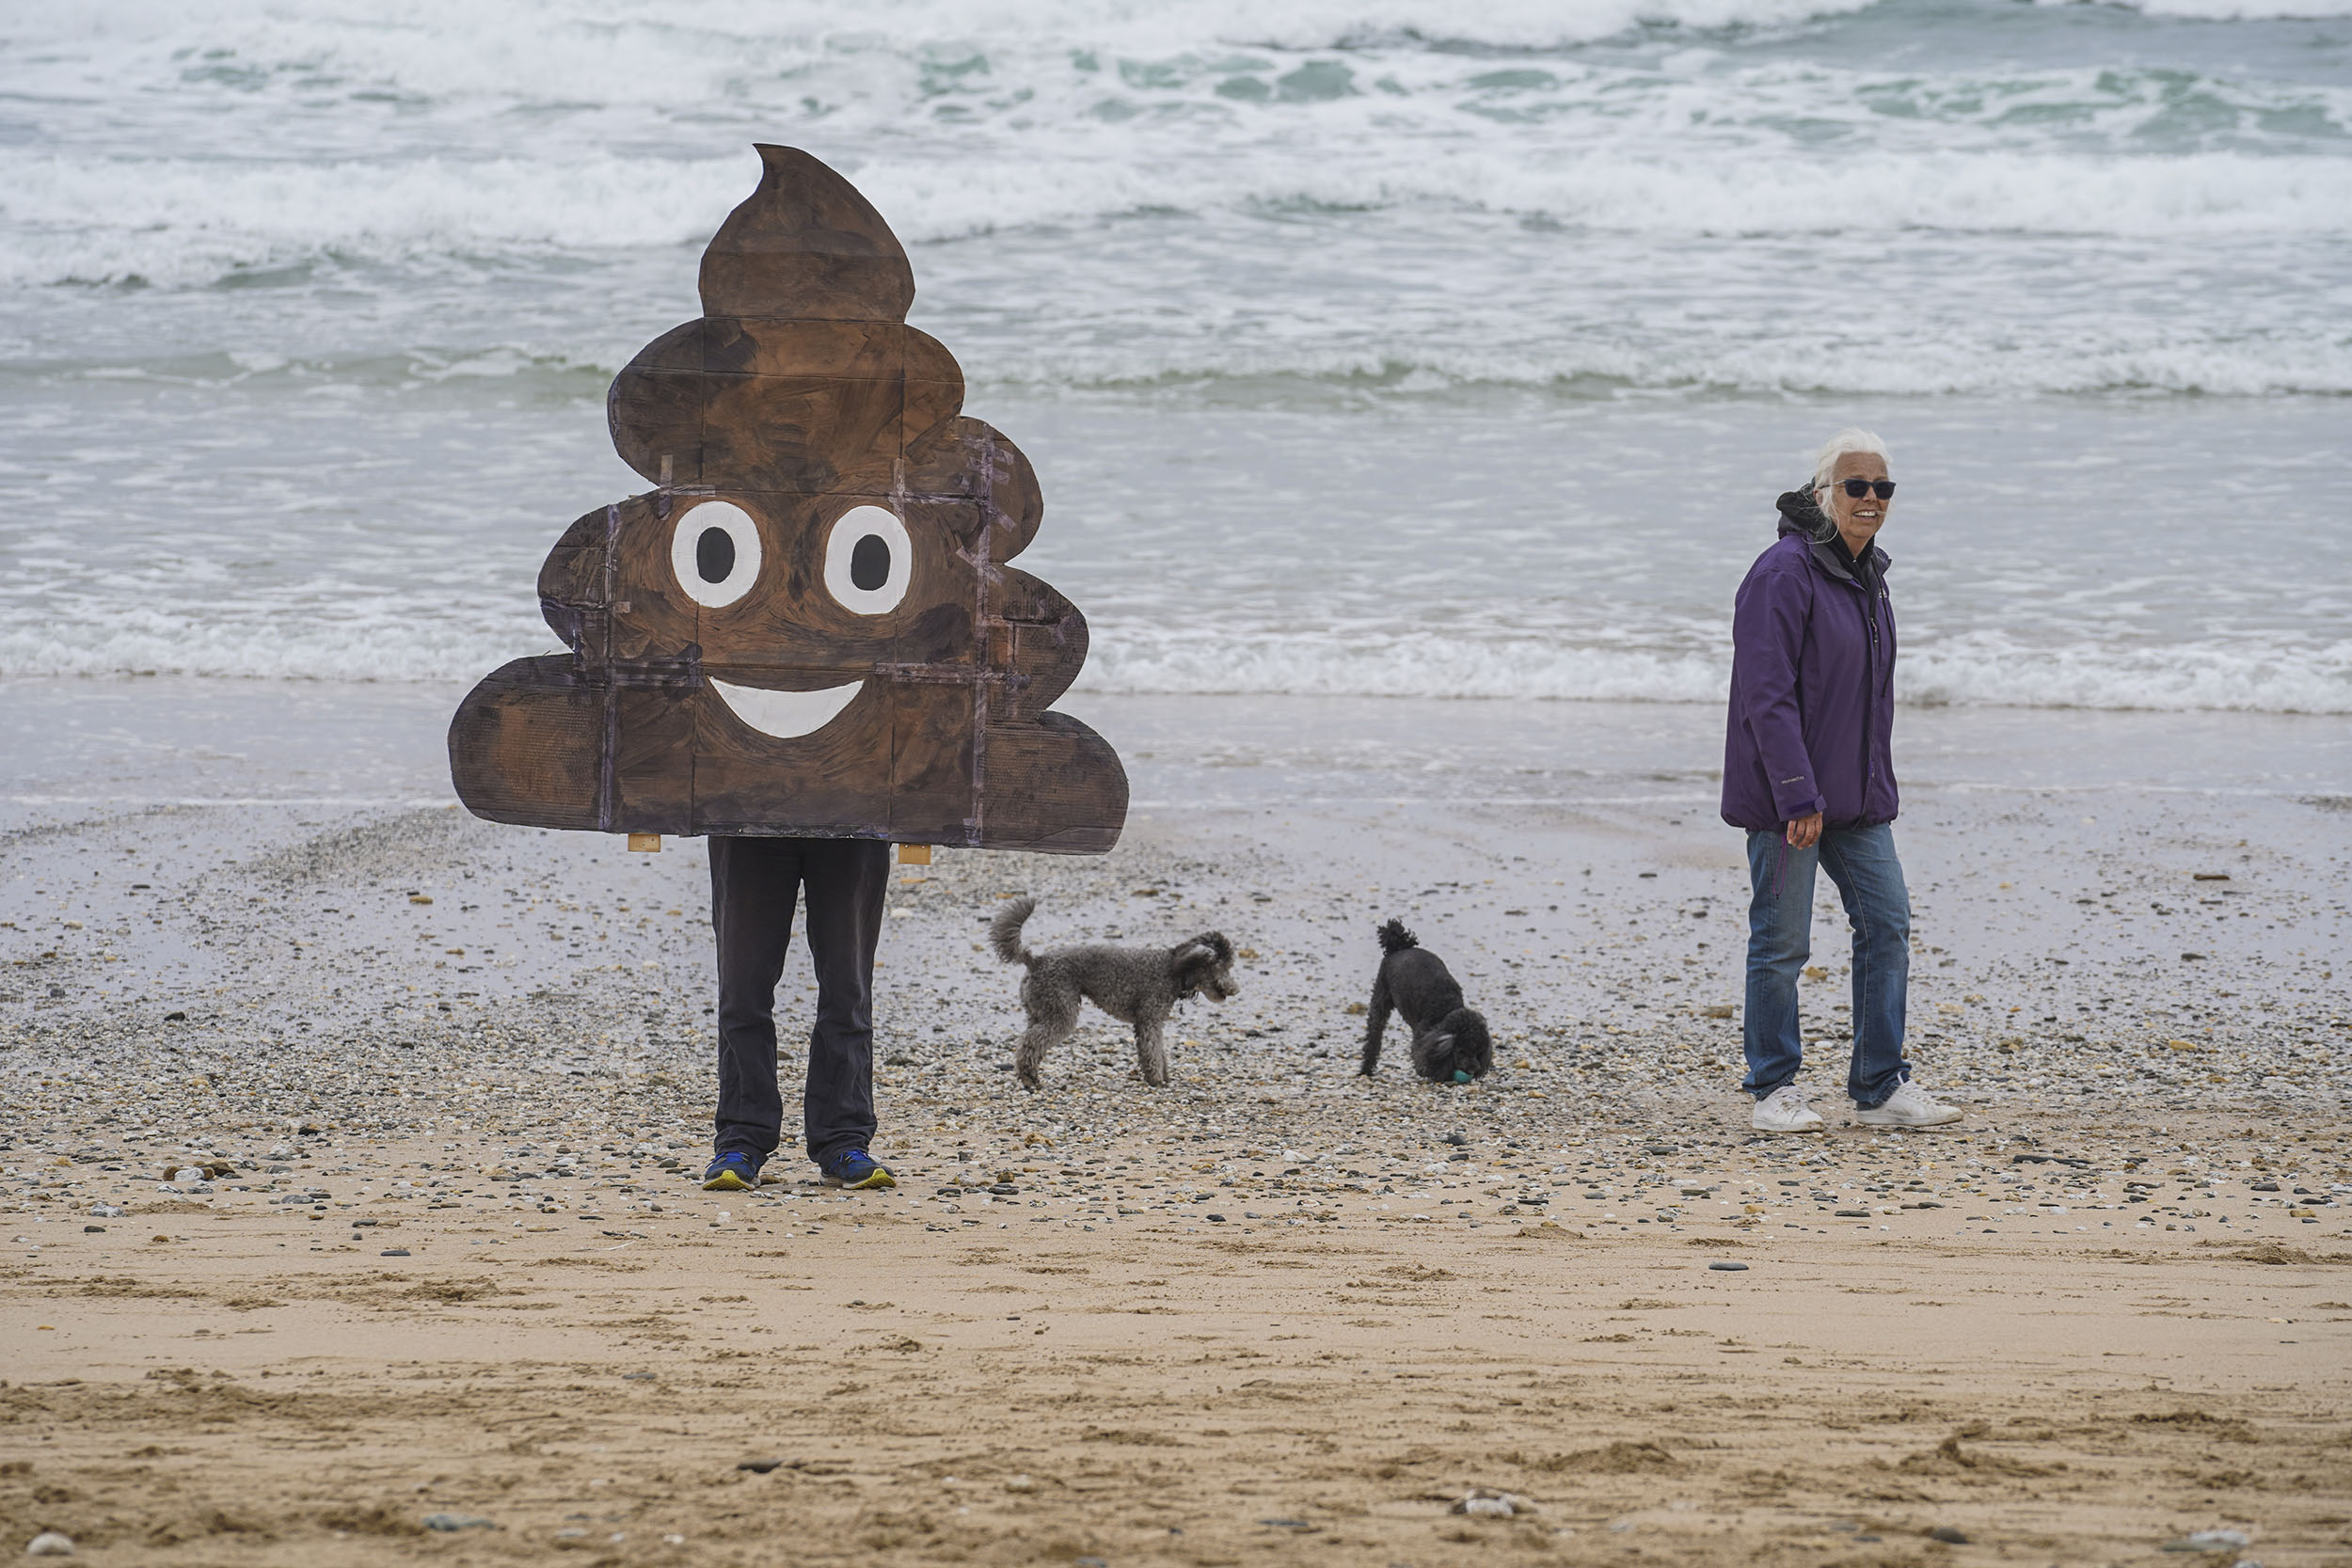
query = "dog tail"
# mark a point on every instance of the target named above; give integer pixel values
(1395, 938)
(1004, 932)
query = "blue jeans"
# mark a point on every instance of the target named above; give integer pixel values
(1861, 860)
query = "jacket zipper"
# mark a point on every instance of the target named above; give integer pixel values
(1870, 702)
(1869, 693)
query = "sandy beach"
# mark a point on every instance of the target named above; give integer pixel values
(447, 1263)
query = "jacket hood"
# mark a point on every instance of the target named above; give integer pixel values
(1800, 513)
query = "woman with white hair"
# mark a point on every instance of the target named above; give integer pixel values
(1808, 771)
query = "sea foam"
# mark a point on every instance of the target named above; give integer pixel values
(2294, 676)
(193, 221)
(1979, 672)
(2231, 10)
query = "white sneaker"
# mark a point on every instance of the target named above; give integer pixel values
(1909, 1107)
(1784, 1110)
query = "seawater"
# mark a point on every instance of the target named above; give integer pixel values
(1366, 350)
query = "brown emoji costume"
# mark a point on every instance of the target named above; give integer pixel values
(808, 630)
(805, 642)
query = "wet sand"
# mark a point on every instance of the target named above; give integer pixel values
(447, 1259)
(915, 1388)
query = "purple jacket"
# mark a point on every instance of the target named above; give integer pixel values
(1812, 683)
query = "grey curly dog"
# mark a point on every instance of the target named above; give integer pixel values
(1139, 985)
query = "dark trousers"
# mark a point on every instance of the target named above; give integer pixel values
(754, 885)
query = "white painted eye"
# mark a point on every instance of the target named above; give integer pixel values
(715, 553)
(868, 560)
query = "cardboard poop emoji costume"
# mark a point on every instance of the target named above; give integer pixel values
(809, 628)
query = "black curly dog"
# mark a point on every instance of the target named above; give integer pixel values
(1448, 1037)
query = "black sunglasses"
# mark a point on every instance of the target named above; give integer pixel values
(1858, 488)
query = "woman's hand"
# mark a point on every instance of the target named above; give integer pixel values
(1805, 831)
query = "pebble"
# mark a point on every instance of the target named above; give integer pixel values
(1949, 1536)
(393, 1252)
(50, 1544)
(1229, 1099)
(452, 1522)
(1729, 1268)
(761, 1466)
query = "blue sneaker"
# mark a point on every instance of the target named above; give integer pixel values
(732, 1173)
(854, 1168)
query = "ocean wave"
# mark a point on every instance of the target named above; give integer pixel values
(659, 50)
(2181, 361)
(600, 77)
(146, 641)
(72, 219)
(1980, 673)
(197, 221)
(1269, 664)
(2229, 10)
(1991, 672)
(666, 52)
(2245, 365)
(1725, 194)
(1979, 670)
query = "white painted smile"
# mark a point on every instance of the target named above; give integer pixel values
(785, 715)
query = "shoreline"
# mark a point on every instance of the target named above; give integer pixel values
(184, 741)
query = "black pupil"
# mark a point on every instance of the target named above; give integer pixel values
(870, 563)
(714, 554)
